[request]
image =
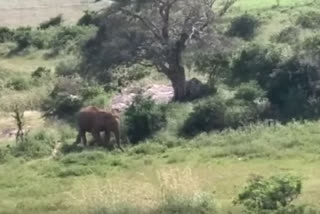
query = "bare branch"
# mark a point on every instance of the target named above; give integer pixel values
(226, 7)
(147, 23)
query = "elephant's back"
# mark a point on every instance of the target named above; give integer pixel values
(86, 118)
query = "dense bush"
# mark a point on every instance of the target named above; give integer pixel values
(66, 68)
(89, 18)
(215, 65)
(254, 63)
(287, 35)
(36, 145)
(311, 46)
(40, 72)
(291, 85)
(208, 115)
(291, 88)
(65, 98)
(19, 83)
(6, 34)
(250, 91)
(55, 21)
(272, 194)
(23, 38)
(244, 26)
(70, 39)
(143, 118)
(309, 20)
(198, 203)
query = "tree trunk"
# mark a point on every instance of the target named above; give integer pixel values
(178, 80)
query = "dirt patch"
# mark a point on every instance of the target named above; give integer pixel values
(158, 92)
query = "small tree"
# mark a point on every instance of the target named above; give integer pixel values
(272, 194)
(20, 122)
(154, 31)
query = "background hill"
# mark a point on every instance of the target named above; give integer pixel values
(17, 13)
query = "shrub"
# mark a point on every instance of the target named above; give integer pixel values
(23, 38)
(143, 118)
(89, 18)
(36, 145)
(148, 149)
(70, 39)
(291, 88)
(40, 72)
(215, 65)
(250, 91)
(19, 83)
(311, 45)
(198, 203)
(55, 21)
(244, 26)
(309, 20)
(6, 34)
(65, 98)
(254, 63)
(262, 195)
(287, 35)
(69, 67)
(208, 115)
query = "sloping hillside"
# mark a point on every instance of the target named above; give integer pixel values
(32, 12)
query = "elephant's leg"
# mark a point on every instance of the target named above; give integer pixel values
(84, 138)
(80, 135)
(117, 135)
(97, 137)
(107, 136)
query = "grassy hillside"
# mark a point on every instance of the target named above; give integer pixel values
(95, 181)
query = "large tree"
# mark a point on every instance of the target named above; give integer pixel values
(153, 33)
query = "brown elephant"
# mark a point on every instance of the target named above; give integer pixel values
(94, 120)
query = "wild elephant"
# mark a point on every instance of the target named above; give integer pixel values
(95, 120)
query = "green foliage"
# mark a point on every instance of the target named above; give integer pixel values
(311, 46)
(291, 88)
(23, 38)
(6, 34)
(143, 118)
(262, 195)
(19, 83)
(309, 20)
(208, 115)
(148, 149)
(172, 204)
(215, 65)
(65, 98)
(123, 76)
(70, 39)
(254, 63)
(250, 91)
(195, 204)
(68, 67)
(36, 145)
(94, 95)
(288, 35)
(40, 72)
(244, 26)
(55, 21)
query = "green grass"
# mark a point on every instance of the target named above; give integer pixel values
(218, 162)
(95, 181)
